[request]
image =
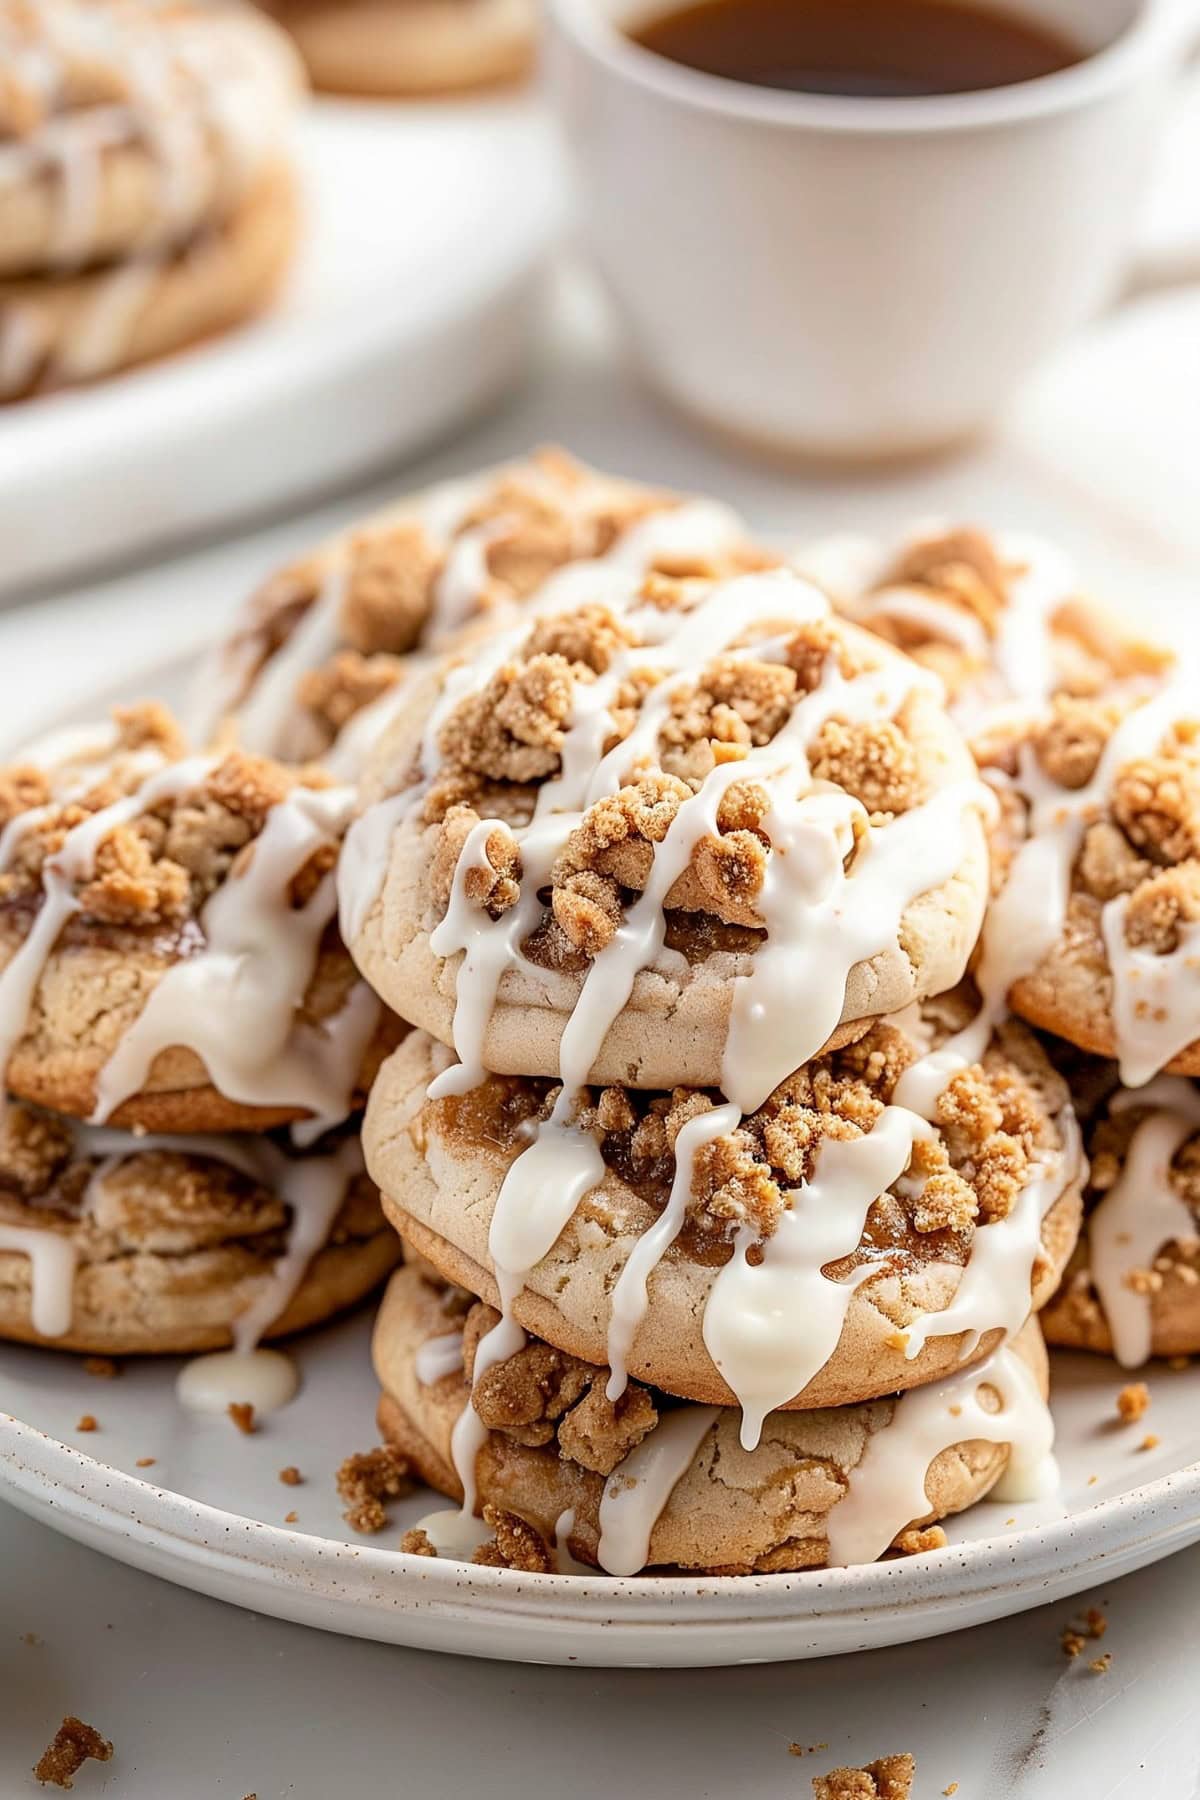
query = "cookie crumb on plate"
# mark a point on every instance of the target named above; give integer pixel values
(417, 1543)
(103, 1367)
(74, 1743)
(366, 1481)
(291, 1476)
(242, 1414)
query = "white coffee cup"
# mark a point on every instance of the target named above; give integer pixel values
(858, 277)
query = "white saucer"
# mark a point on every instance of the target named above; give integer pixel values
(410, 307)
(209, 1515)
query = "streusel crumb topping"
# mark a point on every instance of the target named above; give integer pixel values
(499, 744)
(542, 1395)
(160, 868)
(1144, 840)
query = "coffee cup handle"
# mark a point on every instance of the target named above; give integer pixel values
(1168, 253)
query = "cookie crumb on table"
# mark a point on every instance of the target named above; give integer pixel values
(367, 1480)
(242, 1414)
(291, 1518)
(87, 1423)
(146, 1462)
(890, 1778)
(103, 1367)
(1132, 1401)
(952, 1789)
(806, 1749)
(1151, 1441)
(1074, 1638)
(291, 1476)
(74, 1744)
(1100, 1665)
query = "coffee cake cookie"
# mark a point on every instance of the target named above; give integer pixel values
(634, 1484)
(145, 189)
(160, 915)
(830, 1247)
(1132, 1289)
(400, 47)
(999, 617)
(116, 1244)
(1094, 932)
(689, 832)
(325, 652)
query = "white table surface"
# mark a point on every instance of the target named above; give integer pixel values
(203, 1700)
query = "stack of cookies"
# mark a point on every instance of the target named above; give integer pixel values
(174, 996)
(729, 1203)
(146, 193)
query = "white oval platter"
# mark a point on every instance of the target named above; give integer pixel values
(410, 307)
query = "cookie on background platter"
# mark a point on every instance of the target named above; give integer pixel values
(119, 1245)
(1001, 617)
(324, 653)
(159, 915)
(634, 1484)
(410, 47)
(831, 1247)
(1132, 1287)
(147, 196)
(708, 823)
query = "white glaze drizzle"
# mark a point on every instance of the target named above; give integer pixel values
(770, 1325)
(1026, 919)
(993, 1290)
(886, 1489)
(1155, 995)
(1142, 1212)
(1019, 656)
(637, 1492)
(53, 1260)
(72, 863)
(234, 1002)
(438, 1357)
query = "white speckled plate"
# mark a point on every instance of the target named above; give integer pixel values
(209, 1514)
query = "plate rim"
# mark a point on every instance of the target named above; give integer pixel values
(1166, 1508)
